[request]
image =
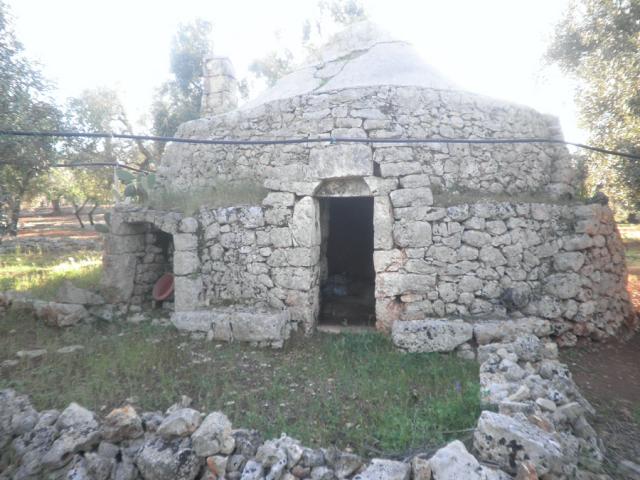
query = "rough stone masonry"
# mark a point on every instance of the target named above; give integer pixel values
(465, 236)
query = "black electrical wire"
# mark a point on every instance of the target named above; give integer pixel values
(332, 140)
(90, 164)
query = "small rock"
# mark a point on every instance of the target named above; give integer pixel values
(69, 293)
(381, 469)
(213, 436)
(76, 416)
(70, 349)
(121, 424)
(31, 353)
(180, 423)
(161, 459)
(546, 404)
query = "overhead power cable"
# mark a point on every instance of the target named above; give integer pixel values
(332, 140)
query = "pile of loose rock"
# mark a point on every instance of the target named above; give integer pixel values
(540, 430)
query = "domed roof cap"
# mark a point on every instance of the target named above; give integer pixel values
(361, 55)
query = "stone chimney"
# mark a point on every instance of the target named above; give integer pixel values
(220, 87)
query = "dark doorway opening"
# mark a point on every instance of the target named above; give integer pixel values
(348, 275)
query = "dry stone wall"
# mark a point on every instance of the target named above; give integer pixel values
(376, 112)
(538, 428)
(492, 260)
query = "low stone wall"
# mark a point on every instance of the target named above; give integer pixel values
(540, 430)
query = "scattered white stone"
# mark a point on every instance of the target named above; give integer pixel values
(31, 353)
(70, 349)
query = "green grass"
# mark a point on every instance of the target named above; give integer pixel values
(41, 274)
(353, 391)
(631, 237)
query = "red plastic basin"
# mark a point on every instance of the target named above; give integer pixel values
(163, 287)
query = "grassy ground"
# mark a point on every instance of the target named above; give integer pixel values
(41, 274)
(356, 391)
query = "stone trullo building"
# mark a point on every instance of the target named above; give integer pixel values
(435, 243)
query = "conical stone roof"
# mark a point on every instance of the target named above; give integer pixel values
(362, 55)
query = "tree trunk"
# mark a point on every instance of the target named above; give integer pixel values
(55, 205)
(96, 204)
(16, 204)
(77, 210)
(14, 217)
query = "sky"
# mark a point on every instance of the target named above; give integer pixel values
(492, 47)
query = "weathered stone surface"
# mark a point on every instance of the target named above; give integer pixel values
(213, 436)
(236, 323)
(180, 423)
(305, 225)
(342, 160)
(414, 234)
(161, 459)
(430, 335)
(62, 314)
(509, 330)
(507, 441)
(69, 293)
(453, 462)
(122, 423)
(385, 470)
(563, 285)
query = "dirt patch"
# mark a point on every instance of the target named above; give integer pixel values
(609, 377)
(41, 223)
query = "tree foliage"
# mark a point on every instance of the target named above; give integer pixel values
(331, 15)
(24, 105)
(95, 110)
(179, 99)
(597, 42)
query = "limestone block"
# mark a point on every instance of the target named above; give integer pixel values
(381, 186)
(118, 276)
(69, 293)
(412, 234)
(61, 314)
(279, 199)
(380, 469)
(188, 225)
(390, 284)
(476, 238)
(187, 292)
(302, 256)
(185, 241)
(509, 330)
(563, 285)
(341, 160)
(123, 244)
(491, 256)
(412, 197)
(568, 261)
(382, 223)
(577, 242)
(236, 322)
(185, 262)
(400, 168)
(292, 278)
(430, 335)
(415, 181)
(305, 224)
(507, 441)
(213, 436)
(388, 260)
(454, 462)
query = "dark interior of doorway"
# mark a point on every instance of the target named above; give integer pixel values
(348, 286)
